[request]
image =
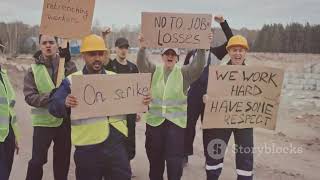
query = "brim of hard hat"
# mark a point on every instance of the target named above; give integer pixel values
(173, 49)
(93, 49)
(237, 45)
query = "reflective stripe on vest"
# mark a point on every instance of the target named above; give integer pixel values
(169, 101)
(94, 130)
(4, 120)
(4, 100)
(78, 122)
(7, 102)
(41, 116)
(161, 102)
(168, 115)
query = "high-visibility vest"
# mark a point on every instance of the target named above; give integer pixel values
(95, 130)
(168, 100)
(7, 102)
(41, 116)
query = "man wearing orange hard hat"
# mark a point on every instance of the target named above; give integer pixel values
(217, 138)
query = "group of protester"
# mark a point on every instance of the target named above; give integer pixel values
(105, 146)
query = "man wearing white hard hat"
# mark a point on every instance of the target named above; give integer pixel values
(237, 48)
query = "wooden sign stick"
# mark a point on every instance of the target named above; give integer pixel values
(62, 61)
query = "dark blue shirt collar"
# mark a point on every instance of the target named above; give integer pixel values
(85, 70)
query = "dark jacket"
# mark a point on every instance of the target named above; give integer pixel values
(199, 87)
(113, 66)
(32, 96)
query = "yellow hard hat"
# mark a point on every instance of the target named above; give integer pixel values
(238, 40)
(92, 43)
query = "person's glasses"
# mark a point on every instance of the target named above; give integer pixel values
(96, 53)
(48, 42)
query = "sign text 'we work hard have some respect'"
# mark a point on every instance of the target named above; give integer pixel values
(243, 97)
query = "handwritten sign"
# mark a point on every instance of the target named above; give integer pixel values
(67, 18)
(107, 95)
(243, 97)
(176, 30)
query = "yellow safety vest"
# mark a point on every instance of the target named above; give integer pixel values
(41, 116)
(7, 102)
(168, 100)
(95, 130)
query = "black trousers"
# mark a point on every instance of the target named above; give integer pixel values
(165, 145)
(213, 140)
(107, 160)
(6, 155)
(194, 110)
(131, 140)
(195, 107)
(42, 138)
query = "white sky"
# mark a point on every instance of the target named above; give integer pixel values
(239, 13)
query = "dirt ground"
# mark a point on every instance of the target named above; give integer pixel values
(298, 129)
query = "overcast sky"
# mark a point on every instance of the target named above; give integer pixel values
(240, 13)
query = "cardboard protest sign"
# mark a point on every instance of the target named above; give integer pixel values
(243, 97)
(67, 18)
(176, 30)
(100, 95)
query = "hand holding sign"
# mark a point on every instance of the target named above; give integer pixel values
(71, 101)
(219, 19)
(64, 51)
(106, 32)
(141, 41)
(210, 36)
(205, 98)
(147, 99)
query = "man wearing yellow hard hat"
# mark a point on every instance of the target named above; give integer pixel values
(99, 142)
(237, 48)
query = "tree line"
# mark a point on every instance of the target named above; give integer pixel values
(18, 37)
(292, 38)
